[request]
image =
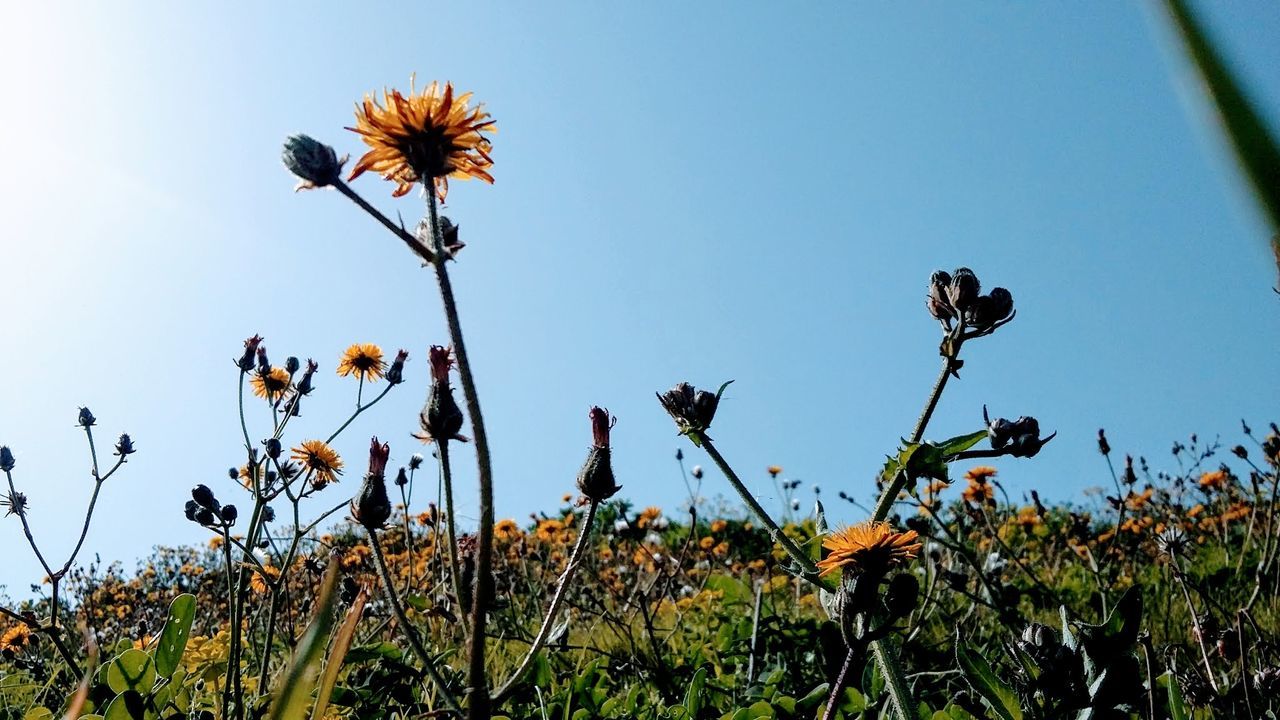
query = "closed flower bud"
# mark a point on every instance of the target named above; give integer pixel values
(595, 479)
(938, 302)
(229, 514)
(1001, 303)
(402, 478)
(705, 404)
(679, 455)
(304, 385)
(395, 373)
(6, 459)
(86, 418)
(124, 446)
(191, 509)
(264, 365)
(245, 363)
(371, 507)
(291, 365)
(315, 164)
(1104, 447)
(233, 473)
(205, 516)
(1240, 452)
(441, 418)
(963, 290)
(268, 514)
(204, 496)
(273, 447)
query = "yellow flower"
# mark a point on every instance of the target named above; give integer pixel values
(320, 460)
(979, 491)
(774, 470)
(364, 360)
(979, 474)
(1213, 480)
(259, 583)
(868, 546)
(15, 638)
(718, 526)
(430, 136)
(272, 385)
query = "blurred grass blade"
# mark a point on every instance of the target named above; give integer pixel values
(1255, 146)
(293, 695)
(341, 643)
(81, 695)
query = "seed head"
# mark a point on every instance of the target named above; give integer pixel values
(124, 446)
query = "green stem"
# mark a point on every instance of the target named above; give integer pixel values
(446, 479)
(808, 571)
(428, 664)
(477, 683)
(887, 658)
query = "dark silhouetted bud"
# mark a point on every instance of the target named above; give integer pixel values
(1130, 477)
(903, 593)
(372, 507)
(268, 514)
(395, 373)
(679, 455)
(1104, 447)
(1240, 452)
(595, 479)
(304, 385)
(291, 365)
(938, 302)
(273, 447)
(692, 409)
(245, 363)
(350, 588)
(229, 514)
(234, 474)
(402, 478)
(1001, 303)
(203, 495)
(6, 459)
(963, 290)
(315, 164)
(191, 509)
(86, 418)
(16, 502)
(441, 419)
(205, 516)
(415, 461)
(264, 365)
(124, 446)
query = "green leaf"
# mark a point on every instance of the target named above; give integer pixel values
(1256, 148)
(735, 591)
(693, 697)
(998, 695)
(38, 713)
(131, 670)
(1177, 708)
(294, 694)
(127, 706)
(960, 443)
(173, 638)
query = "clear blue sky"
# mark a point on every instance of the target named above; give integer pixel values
(697, 191)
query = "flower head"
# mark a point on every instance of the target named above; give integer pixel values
(15, 638)
(868, 547)
(1214, 480)
(320, 460)
(424, 137)
(271, 384)
(364, 360)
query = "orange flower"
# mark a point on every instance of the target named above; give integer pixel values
(15, 638)
(980, 474)
(364, 360)
(868, 546)
(1214, 480)
(424, 137)
(271, 385)
(320, 460)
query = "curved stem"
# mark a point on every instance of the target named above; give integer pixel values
(477, 682)
(575, 559)
(428, 664)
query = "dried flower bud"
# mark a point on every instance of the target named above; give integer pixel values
(1104, 447)
(6, 459)
(963, 290)
(264, 365)
(938, 303)
(234, 474)
(268, 514)
(1240, 452)
(205, 516)
(395, 373)
(291, 365)
(124, 446)
(402, 478)
(692, 409)
(441, 418)
(595, 479)
(229, 514)
(371, 507)
(315, 164)
(86, 418)
(304, 385)
(245, 363)
(273, 447)
(1130, 477)
(192, 507)
(415, 461)
(204, 496)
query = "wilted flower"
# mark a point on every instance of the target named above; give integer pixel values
(371, 507)
(692, 409)
(595, 479)
(428, 137)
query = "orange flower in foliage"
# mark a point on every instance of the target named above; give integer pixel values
(868, 546)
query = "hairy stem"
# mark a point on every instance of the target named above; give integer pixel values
(446, 479)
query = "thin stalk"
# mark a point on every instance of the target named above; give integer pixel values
(887, 659)
(356, 414)
(414, 243)
(575, 559)
(478, 686)
(837, 689)
(808, 570)
(455, 569)
(428, 664)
